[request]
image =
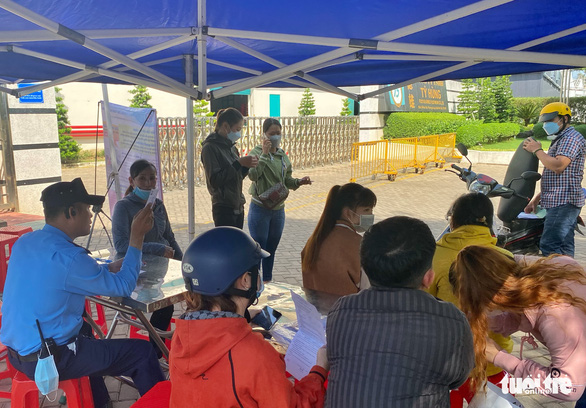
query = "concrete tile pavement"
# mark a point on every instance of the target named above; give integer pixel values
(426, 197)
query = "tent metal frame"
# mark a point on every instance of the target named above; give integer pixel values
(342, 51)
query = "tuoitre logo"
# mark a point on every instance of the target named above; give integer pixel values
(187, 268)
(552, 384)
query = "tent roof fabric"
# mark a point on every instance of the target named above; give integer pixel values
(322, 44)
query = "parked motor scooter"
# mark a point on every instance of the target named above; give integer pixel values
(520, 236)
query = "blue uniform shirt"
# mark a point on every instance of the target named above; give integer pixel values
(48, 279)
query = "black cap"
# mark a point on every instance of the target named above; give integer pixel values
(65, 193)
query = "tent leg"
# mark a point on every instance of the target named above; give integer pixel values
(189, 139)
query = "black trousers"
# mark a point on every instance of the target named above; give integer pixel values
(160, 319)
(97, 358)
(224, 216)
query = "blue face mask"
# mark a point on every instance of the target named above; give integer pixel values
(46, 375)
(233, 136)
(140, 193)
(551, 128)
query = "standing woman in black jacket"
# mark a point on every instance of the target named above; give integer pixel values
(225, 169)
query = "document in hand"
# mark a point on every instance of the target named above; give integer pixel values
(302, 351)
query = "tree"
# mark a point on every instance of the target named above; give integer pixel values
(140, 98)
(528, 112)
(346, 111)
(68, 147)
(503, 99)
(486, 100)
(307, 105)
(201, 107)
(468, 99)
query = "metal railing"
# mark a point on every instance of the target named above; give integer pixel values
(389, 156)
(308, 141)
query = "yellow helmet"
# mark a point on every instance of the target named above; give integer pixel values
(551, 110)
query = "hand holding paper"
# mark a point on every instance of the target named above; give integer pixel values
(302, 352)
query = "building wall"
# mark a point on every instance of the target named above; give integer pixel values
(372, 121)
(34, 139)
(532, 85)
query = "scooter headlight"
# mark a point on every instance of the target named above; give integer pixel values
(477, 187)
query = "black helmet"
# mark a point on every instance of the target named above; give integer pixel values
(216, 258)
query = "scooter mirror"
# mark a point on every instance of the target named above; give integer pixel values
(531, 176)
(462, 149)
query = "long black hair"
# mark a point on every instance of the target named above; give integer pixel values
(229, 115)
(351, 195)
(136, 168)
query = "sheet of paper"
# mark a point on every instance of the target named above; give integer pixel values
(302, 351)
(301, 354)
(540, 213)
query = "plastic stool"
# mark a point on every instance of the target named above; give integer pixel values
(99, 317)
(158, 397)
(6, 243)
(18, 230)
(25, 393)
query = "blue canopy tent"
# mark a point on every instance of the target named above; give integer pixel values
(186, 47)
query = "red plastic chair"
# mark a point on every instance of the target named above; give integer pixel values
(135, 333)
(25, 393)
(158, 397)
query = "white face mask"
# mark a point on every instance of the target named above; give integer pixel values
(275, 141)
(366, 221)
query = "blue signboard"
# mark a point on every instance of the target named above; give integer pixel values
(34, 97)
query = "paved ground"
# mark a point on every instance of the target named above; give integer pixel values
(426, 196)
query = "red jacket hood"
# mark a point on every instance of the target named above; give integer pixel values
(199, 344)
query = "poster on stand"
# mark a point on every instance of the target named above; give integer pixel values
(127, 147)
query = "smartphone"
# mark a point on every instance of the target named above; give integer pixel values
(152, 196)
(266, 318)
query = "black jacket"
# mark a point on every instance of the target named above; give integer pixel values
(224, 173)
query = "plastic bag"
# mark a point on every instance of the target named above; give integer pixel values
(494, 398)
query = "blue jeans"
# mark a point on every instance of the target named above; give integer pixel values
(558, 230)
(266, 228)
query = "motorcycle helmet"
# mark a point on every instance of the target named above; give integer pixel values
(551, 110)
(215, 259)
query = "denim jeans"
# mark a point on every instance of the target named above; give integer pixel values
(266, 228)
(558, 231)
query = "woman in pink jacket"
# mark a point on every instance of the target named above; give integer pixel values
(544, 299)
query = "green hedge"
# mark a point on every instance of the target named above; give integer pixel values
(474, 134)
(412, 124)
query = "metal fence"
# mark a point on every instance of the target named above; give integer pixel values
(389, 156)
(308, 141)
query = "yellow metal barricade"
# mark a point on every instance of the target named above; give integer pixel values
(390, 156)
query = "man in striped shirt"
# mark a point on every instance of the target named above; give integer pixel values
(394, 345)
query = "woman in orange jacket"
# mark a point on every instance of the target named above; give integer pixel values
(216, 360)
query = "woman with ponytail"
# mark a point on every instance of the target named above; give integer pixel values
(330, 261)
(544, 298)
(225, 169)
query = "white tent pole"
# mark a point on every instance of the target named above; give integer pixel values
(202, 74)
(109, 132)
(389, 36)
(153, 62)
(376, 57)
(86, 42)
(321, 84)
(85, 69)
(190, 142)
(21, 36)
(463, 65)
